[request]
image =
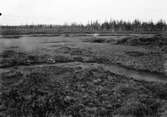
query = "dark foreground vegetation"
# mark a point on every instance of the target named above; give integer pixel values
(82, 91)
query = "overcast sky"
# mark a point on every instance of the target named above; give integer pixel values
(17, 12)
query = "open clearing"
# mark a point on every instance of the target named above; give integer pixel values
(84, 76)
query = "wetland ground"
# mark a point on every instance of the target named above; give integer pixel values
(84, 76)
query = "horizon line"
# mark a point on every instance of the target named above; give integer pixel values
(88, 22)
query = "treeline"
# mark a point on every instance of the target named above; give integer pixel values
(94, 27)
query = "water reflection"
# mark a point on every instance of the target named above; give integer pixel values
(23, 43)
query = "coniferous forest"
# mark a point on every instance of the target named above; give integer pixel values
(94, 27)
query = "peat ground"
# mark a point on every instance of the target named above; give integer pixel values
(74, 76)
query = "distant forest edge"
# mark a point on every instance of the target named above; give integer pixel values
(95, 27)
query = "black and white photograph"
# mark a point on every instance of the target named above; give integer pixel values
(83, 58)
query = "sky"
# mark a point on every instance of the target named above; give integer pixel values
(20, 12)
